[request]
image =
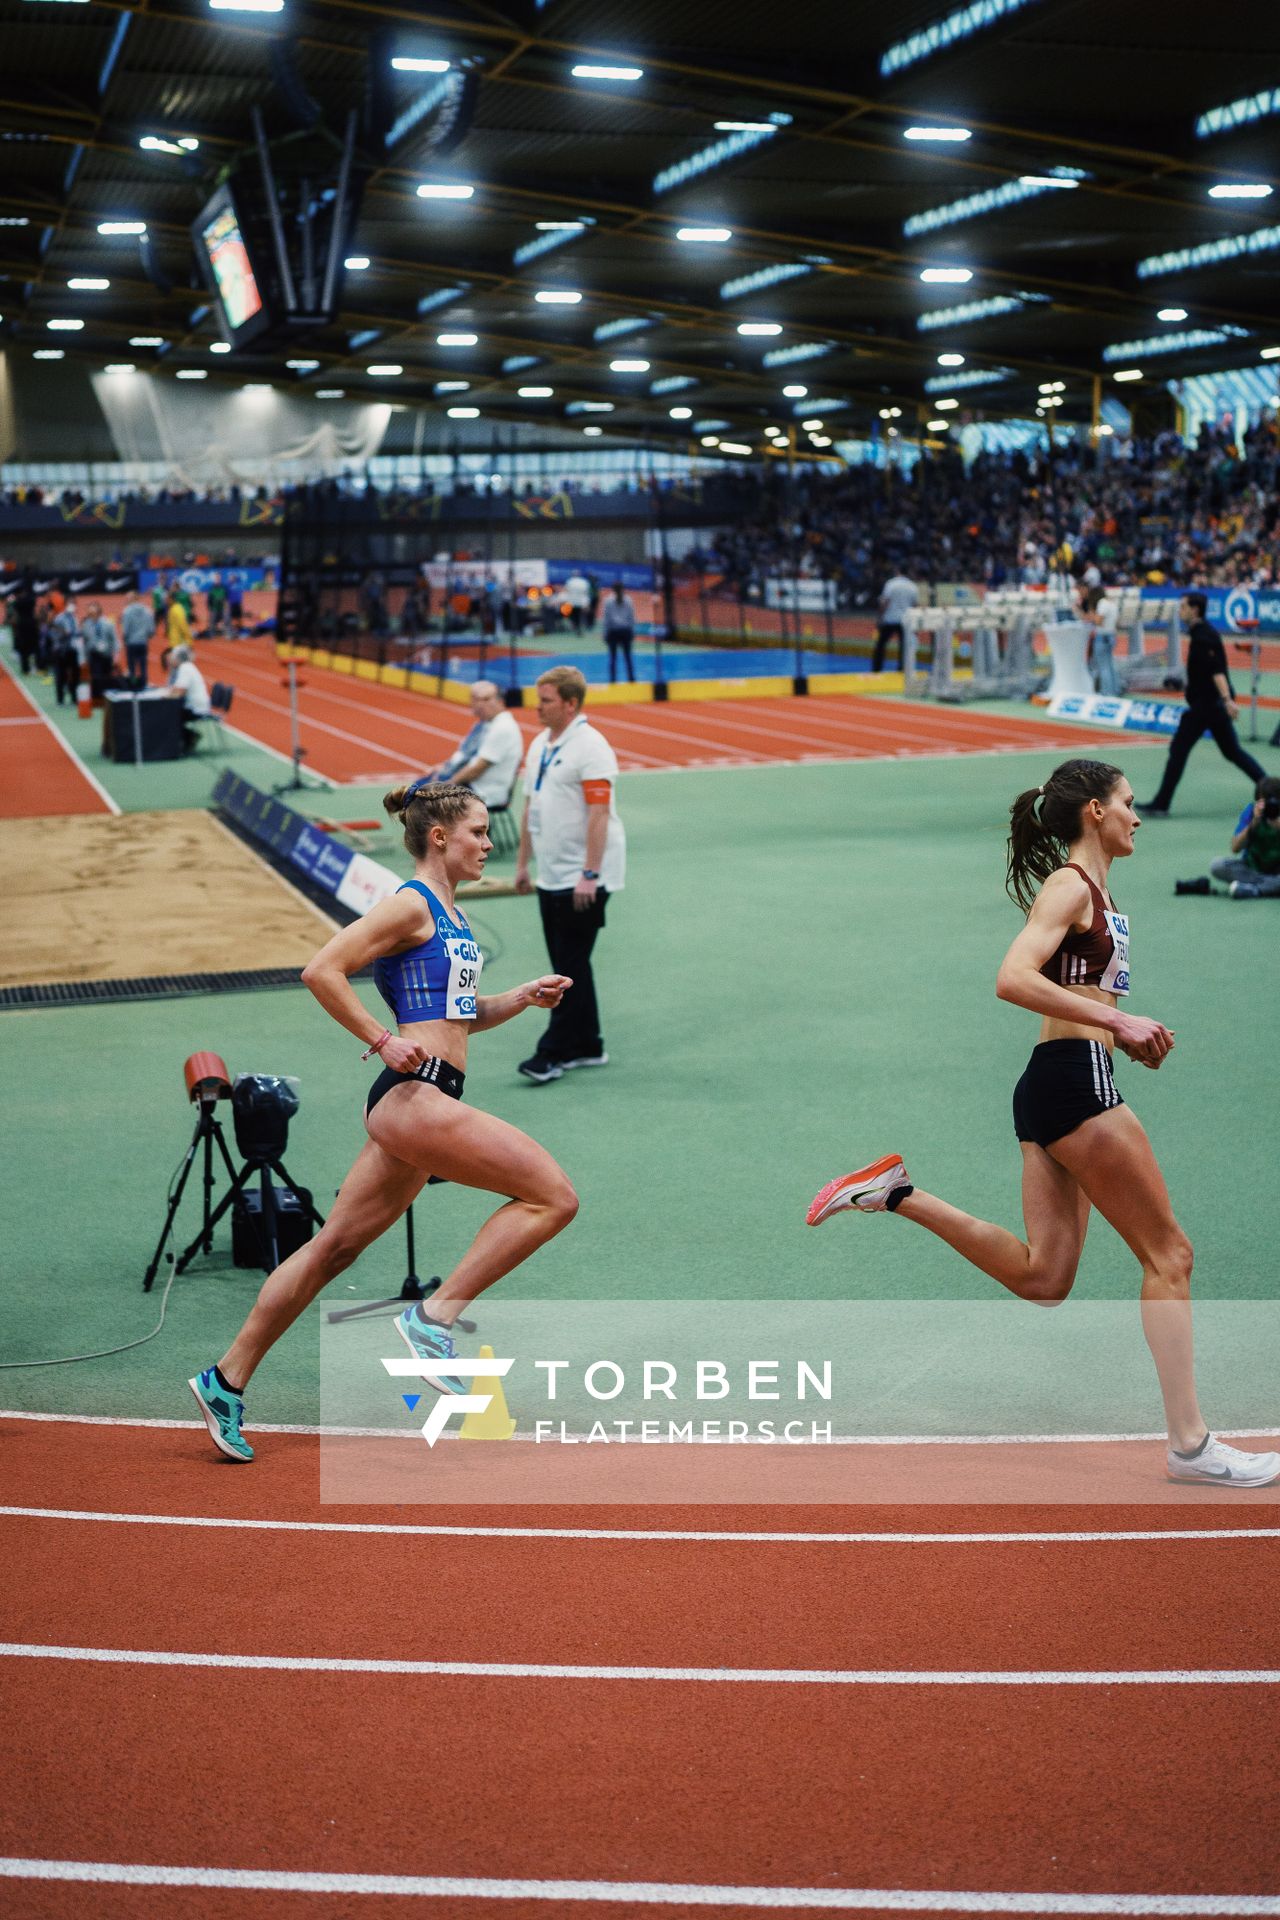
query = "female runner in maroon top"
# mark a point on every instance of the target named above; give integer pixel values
(1081, 1145)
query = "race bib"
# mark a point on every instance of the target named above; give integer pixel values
(1116, 978)
(464, 975)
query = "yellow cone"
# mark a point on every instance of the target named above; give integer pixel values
(495, 1423)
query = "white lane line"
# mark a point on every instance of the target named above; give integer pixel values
(716, 1676)
(641, 1534)
(260, 746)
(644, 1893)
(65, 744)
(838, 1440)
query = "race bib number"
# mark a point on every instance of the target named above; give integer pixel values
(464, 976)
(1116, 978)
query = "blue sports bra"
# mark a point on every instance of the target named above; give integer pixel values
(437, 980)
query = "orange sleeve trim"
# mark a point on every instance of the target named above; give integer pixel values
(597, 792)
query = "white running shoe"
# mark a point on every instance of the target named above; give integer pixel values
(1227, 1466)
(868, 1190)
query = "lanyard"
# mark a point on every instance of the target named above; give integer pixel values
(551, 754)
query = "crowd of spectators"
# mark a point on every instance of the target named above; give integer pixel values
(1149, 512)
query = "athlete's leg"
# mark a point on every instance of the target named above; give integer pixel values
(1043, 1266)
(478, 1150)
(1111, 1159)
(372, 1197)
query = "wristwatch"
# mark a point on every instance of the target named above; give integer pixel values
(588, 873)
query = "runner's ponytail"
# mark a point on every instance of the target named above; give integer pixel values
(1043, 821)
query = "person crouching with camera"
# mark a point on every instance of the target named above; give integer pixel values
(1251, 871)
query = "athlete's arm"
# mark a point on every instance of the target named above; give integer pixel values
(493, 1009)
(596, 794)
(400, 921)
(1062, 901)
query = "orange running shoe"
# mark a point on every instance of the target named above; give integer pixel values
(868, 1190)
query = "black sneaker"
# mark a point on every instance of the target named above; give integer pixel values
(600, 1059)
(1200, 885)
(1245, 890)
(540, 1070)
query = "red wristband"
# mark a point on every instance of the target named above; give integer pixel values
(378, 1044)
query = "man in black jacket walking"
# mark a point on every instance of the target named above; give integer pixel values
(1210, 704)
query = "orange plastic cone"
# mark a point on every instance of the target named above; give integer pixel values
(84, 694)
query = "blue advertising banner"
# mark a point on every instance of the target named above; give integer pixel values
(1235, 609)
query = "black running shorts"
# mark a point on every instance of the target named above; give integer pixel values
(1066, 1083)
(435, 1072)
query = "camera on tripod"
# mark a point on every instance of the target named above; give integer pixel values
(268, 1222)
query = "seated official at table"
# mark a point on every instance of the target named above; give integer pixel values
(186, 683)
(487, 758)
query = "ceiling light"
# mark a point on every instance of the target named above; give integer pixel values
(557, 297)
(151, 143)
(456, 339)
(444, 190)
(764, 328)
(387, 371)
(120, 366)
(1270, 353)
(628, 366)
(247, 6)
(1171, 314)
(822, 440)
(188, 144)
(709, 440)
(192, 373)
(1129, 373)
(939, 426)
(256, 386)
(14, 220)
(452, 386)
(936, 133)
(463, 413)
(356, 263)
(745, 126)
(815, 426)
(65, 326)
(404, 63)
(220, 346)
(590, 406)
(733, 446)
(1104, 428)
(302, 366)
(146, 340)
(1046, 180)
(535, 393)
(330, 393)
(945, 406)
(950, 359)
(589, 72)
(946, 276)
(593, 433)
(559, 226)
(82, 285)
(795, 393)
(682, 413)
(1240, 192)
(122, 226)
(716, 234)
(48, 353)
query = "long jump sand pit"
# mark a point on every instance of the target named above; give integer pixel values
(142, 894)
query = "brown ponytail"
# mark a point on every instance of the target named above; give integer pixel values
(419, 808)
(1044, 821)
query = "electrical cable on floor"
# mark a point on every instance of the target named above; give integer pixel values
(105, 1353)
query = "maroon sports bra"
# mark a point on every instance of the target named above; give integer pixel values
(1098, 957)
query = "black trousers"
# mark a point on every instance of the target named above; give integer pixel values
(573, 1031)
(885, 632)
(1190, 728)
(136, 659)
(619, 645)
(66, 675)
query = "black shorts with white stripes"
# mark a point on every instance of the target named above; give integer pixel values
(1066, 1083)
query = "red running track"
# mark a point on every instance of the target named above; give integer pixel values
(355, 731)
(1057, 1790)
(39, 773)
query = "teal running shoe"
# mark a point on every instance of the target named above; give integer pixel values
(223, 1413)
(426, 1340)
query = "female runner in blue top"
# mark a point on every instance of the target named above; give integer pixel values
(427, 968)
(1081, 1145)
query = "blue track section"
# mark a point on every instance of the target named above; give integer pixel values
(678, 663)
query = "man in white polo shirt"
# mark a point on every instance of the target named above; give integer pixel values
(571, 828)
(486, 759)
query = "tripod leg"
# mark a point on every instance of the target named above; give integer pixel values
(238, 1181)
(286, 1179)
(149, 1277)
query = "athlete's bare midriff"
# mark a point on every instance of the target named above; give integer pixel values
(1051, 1028)
(446, 1039)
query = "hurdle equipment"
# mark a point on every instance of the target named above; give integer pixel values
(495, 1422)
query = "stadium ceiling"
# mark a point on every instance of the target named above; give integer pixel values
(1084, 205)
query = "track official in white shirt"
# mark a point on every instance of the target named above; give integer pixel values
(571, 828)
(487, 758)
